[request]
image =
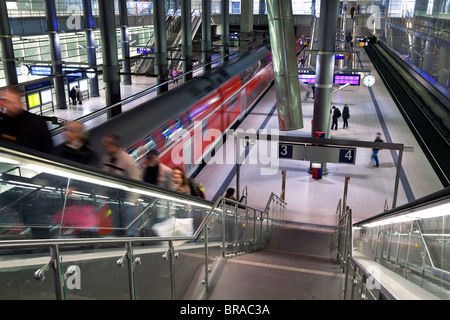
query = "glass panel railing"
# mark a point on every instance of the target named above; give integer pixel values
(408, 246)
(45, 199)
(84, 234)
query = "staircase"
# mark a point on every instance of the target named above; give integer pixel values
(298, 264)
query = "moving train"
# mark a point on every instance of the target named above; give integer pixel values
(176, 122)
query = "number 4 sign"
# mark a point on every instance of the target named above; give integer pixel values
(347, 155)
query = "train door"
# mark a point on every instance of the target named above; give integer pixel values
(243, 104)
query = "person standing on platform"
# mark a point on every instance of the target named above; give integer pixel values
(336, 114)
(79, 95)
(345, 115)
(73, 95)
(375, 151)
(175, 75)
(118, 161)
(21, 127)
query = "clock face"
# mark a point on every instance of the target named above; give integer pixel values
(369, 80)
(24, 70)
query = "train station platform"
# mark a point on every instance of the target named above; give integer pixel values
(314, 202)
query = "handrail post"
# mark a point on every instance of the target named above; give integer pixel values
(172, 270)
(223, 227)
(57, 272)
(206, 283)
(236, 225)
(130, 271)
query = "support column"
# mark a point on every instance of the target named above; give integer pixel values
(206, 34)
(428, 57)
(6, 46)
(225, 29)
(111, 68)
(90, 45)
(246, 21)
(125, 36)
(282, 38)
(161, 64)
(443, 67)
(325, 66)
(186, 43)
(416, 48)
(55, 51)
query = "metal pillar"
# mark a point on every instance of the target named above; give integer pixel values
(282, 38)
(186, 43)
(161, 64)
(416, 48)
(125, 36)
(428, 57)
(55, 51)
(6, 46)
(90, 45)
(111, 68)
(225, 29)
(246, 21)
(325, 66)
(206, 34)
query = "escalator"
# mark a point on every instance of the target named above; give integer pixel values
(72, 232)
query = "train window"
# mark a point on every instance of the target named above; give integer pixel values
(139, 152)
(233, 103)
(204, 127)
(170, 131)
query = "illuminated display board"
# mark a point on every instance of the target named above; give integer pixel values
(34, 100)
(352, 79)
(41, 70)
(71, 72)
(307, 78)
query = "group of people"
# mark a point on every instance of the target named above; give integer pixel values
(26, 129)
(336, 114)
(76, 94)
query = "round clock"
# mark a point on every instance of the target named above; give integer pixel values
(369, 80)
(24, 70)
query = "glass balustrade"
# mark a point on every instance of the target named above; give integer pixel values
(74, 232)
(405, 248)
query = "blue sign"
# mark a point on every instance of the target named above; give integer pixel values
(347, 155)
(72, 72)
(285, 151)
(41, 70)
(37, 86)
(145, 50)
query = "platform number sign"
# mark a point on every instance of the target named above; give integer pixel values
(347, 155)
(285, 151)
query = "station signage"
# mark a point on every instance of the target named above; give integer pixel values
(314, 153)
(41, 70)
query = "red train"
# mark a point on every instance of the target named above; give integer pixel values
(214, 101)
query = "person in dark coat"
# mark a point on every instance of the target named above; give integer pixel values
(345, 115)
(21, 127)
(375, 151)
(77, 147)
(335, 116)
(73, 95)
